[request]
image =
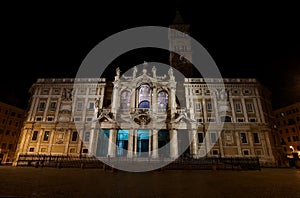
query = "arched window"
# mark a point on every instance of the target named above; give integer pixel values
(125, 100)
(144, 96)
(162, 99)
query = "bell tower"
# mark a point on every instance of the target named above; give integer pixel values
(180, 42)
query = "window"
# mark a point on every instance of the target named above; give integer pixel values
(162, 99)
(50, 118)
(52, 106)
(246, 152)
(240, 119)
(1, 131)
(256, 138)
(125, 100)
(298, 119)
(43, 150)
(284, 148)
(238, 107)
(85, 150)
(289, 139)
(19, 115)
(82, 91)
(258, 152)
(209, 107)
(10, 146)
(144, 93)
(87, 136)
(74, 136)
(215, 152)
(3, 121)
(46, 135)
(77, 119)
(7, 132)
(243, 138)
(38, 118)
(247, 91)
(72, 150)
(9, 123)
(91, 106)
(197, 107)
(79, 106)
(45, 91)
(55, 91)
(34, 136)
(294, 130)
(92, 91)
(252, 119)
(89, 119)
(31, 149)
(291, 121)
(225, 119)
(213, 138)
(298, 148)
(3, 146)
(284, 122)
(13, 114)
(211, 119)
(295, 138)
(199, 120)
(42, 106)
(286, 130)
(200, 137)
(17, 124)
(249, 107)
(280, 131)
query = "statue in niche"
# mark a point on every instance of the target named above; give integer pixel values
(67, 94)
(154, 71)
(134, 72)
(171, 74)
(223, 95)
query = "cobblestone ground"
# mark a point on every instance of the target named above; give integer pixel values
(52, 182)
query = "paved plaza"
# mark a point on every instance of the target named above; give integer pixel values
(54, 182)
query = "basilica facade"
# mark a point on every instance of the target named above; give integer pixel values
(151, 112)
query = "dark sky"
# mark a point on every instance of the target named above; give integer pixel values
(248, 41)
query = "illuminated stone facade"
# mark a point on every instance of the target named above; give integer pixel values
(287, 122)
(11, 122)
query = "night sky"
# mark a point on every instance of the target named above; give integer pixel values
(252, 41)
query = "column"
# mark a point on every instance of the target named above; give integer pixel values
(130, 143)
(155, 143)
(173, 144)
(35, 105)
(52, 134)
(245, 110)
(261, 111)
(46, 109)
(150, 143)
(58, 103)
(68, 134)
(252, 152)
(154, 101)
(80, 141)
(39, 140)
(112, 143)
(204, 110)
(238, 142)
(257, 112)
(194, 142)
(92, 140)
(135, 142)
(221, 144)
(232, 110)
(216, 110)
(23, 136)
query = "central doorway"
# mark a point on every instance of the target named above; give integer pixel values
(142, 143)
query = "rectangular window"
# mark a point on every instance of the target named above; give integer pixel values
(77, 119)
(240, 119)
(197, 107)
(31, 149)
(89, 119)
(52, 106)
(13, 114)
(45, 91)
(79, 106)
(249, 107)
(243, 138)
(17, 124)
(252, 119)
(211, 119)
(74, 136)
(10, 146)
(50, 118)
(3, 146)
(256, 138)
(289, 139)
(238, 107)
(46, 136)
(209, 107)
(91, 106)
(42, 106)
(246, 152)
(34, 136)
(7, 132)
(294, 138)
(87, 136)
(213, 138)
(38, 118)
(92, 91)
(200, 137)
(56, 91)
(215, 152)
